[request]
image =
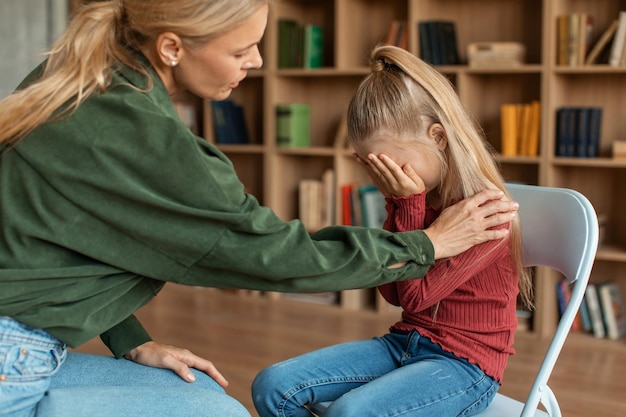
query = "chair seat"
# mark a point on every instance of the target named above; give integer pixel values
(501, 406)
(505, 406)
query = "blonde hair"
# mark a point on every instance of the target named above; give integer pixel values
(100, 38)
(402, 95)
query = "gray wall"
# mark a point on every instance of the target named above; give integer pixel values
(27, 29)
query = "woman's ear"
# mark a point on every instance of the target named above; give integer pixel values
(437, 133)
(169, 48)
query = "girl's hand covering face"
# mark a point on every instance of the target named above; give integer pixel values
(390, 178)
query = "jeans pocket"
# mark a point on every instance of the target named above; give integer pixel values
(26, 363)
(25, 374)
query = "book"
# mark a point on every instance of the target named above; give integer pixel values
(618, 41)
(525, 124)
(329, 190)
(313, 48)
(585, 32)
(595, 124)
(535, 129)
(346, 205)
(229, 123)
(562, 37)
(293, 125)
(426, 52)
(510, 119)
(311, 195)
(573, 38)
(581, 133)
(595, 313)
(564, 294)
(287, 43)
(601, 44)
(397, 34)
(565, 131)
(373, 212)
(613, 310)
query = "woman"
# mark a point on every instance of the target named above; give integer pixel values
(106, 195)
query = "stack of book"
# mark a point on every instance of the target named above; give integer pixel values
(520, 127)
(578, 132)
(575, 45)
(300, 46)
(602, 312)
(438, 43)
(362, 204)
(229, 123)
(495, 54)
(317, 201)
(573, 38)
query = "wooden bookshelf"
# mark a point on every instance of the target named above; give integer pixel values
(353, 27)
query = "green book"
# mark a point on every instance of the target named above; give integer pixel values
(313, 55)
(293, 125)
(287, 43)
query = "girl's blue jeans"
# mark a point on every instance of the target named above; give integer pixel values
(394, 375)
(39, 378)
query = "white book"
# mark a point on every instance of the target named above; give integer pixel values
(595, 313)
(618, 42)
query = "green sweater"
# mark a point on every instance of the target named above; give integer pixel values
(99, 210)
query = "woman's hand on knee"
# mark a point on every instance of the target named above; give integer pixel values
(178, 360)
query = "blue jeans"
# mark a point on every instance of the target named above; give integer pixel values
(45, 382)
(394, 375)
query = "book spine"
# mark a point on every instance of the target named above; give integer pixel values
(595, 313)
(566, 127)
(619, 40)
(313, 55)
(293, 125)
(425, 46)
(595, 123)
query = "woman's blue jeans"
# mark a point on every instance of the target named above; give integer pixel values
(394, 375)
(39, 378)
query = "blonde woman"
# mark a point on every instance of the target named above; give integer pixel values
(106, 195)
(447, 354)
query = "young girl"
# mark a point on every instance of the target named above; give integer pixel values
(447, 355)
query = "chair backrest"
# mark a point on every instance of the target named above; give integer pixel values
(560, 231)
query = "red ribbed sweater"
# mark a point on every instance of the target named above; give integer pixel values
(467, 303)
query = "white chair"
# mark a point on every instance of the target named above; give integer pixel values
(560, 231)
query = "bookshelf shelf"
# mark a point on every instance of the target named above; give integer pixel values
(352, 27)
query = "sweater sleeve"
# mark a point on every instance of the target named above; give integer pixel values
(402, 219)
(446, 275)
(167, 205)
(126, 336)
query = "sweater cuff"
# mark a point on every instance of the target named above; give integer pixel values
(409, 212)
(125, 336)
(421, 248)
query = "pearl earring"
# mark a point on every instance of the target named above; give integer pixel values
(174, 63)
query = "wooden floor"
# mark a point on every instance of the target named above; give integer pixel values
(243, 334)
